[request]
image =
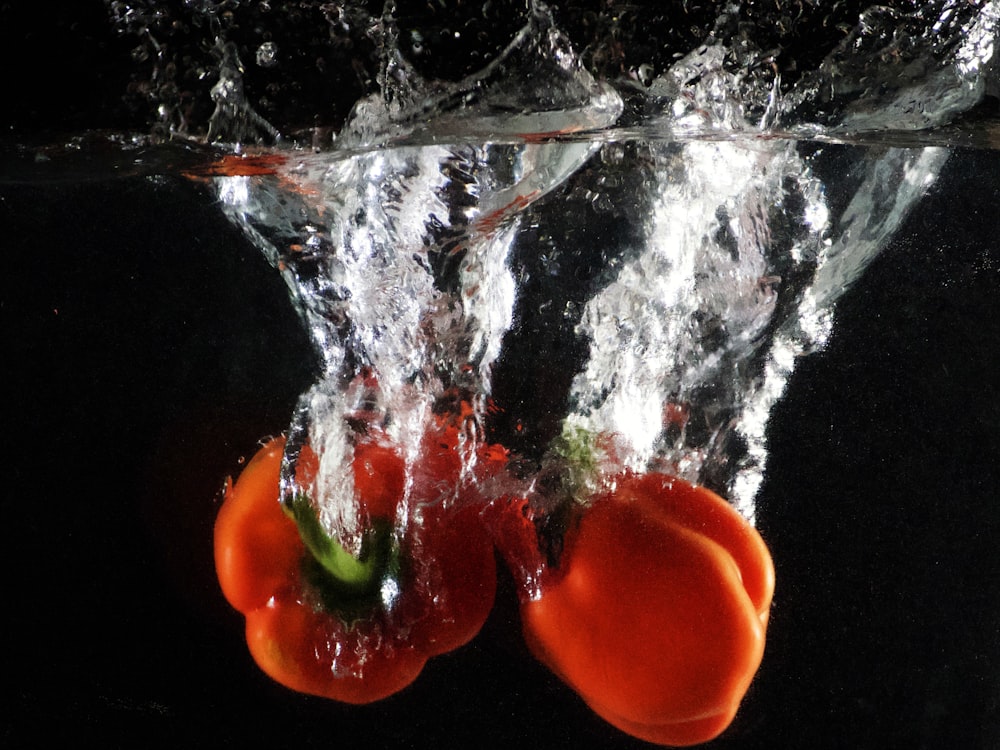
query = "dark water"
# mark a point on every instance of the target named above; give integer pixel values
(149, 347)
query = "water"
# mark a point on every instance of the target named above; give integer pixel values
(402, 259)
(417, 263)
(645, 258)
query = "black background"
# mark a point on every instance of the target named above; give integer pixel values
(148, 347)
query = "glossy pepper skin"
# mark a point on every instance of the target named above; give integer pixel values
(315, 635)
(656, 611)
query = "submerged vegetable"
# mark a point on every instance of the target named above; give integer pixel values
(656, 611)
(355, 628)
(650, 600)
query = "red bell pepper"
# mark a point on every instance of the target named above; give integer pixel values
(355, 629)
(655, 609)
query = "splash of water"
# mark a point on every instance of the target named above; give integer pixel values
(398, 256)
(403, 247)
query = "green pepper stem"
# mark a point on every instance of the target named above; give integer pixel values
(577, 453)
(353, 573)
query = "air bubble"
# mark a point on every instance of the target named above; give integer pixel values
(267, 55)
(644, 73)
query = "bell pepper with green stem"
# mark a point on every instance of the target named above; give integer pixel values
(352, 628)
(654, 606)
